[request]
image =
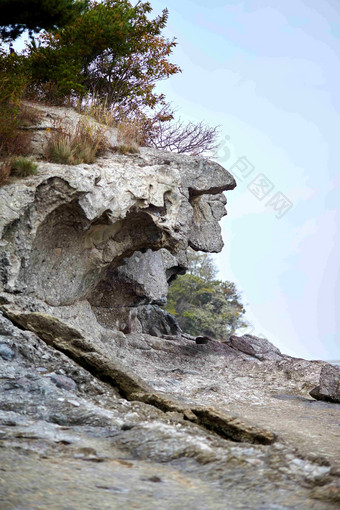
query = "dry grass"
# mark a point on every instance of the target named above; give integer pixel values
(100, 112)
(82, 145)
(28, 115)
(126, 149)
(128, 137)
(5, 170)
(129, 132)
(15, 140)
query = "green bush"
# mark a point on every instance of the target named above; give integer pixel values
(203, 305)
(23, 167)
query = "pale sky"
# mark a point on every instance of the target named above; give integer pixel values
(268, 72)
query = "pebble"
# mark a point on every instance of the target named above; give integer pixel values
(127, 426)
(6, 352)
(74, 403)
(41, 370)
(155, 479)
(61, 381)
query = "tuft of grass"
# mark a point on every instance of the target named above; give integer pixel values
(83, 145)
(126, 149)
(99, 110)
(130, 132)
(28, 115)
(5, 170)
(23, 167)
(128, 136)
(59, 148)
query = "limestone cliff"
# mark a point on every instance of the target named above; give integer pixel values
(93, 369)
(109, 234)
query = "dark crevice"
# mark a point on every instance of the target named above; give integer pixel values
(194, 193)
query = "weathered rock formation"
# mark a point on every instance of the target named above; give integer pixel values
(104, 402)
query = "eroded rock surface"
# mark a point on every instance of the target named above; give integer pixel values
(104, 402)
(88, 231)
(151, 422)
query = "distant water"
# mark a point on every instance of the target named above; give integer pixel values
(335, 362)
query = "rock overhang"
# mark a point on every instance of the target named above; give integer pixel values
(67, 228)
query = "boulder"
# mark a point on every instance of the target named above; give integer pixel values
(255, 346)
(329, 385)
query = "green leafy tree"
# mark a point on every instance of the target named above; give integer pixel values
(202, 265)
(107, 53)
(202, 304)
(35, 15)
(113, 51)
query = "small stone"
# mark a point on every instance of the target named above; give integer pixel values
(127, 426)
(61, 381)
(154, 478)
(74, 403)
(6, 352)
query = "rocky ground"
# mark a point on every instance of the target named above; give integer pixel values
(221, 430)
(104, 403)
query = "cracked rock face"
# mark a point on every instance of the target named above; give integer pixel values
(104, 402)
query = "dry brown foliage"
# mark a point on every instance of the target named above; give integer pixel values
(5, 170)
(129, 136)
(83, 144)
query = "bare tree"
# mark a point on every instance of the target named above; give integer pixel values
(180, 137)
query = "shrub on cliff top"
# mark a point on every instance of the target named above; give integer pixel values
(113, 50)
(110, 53)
